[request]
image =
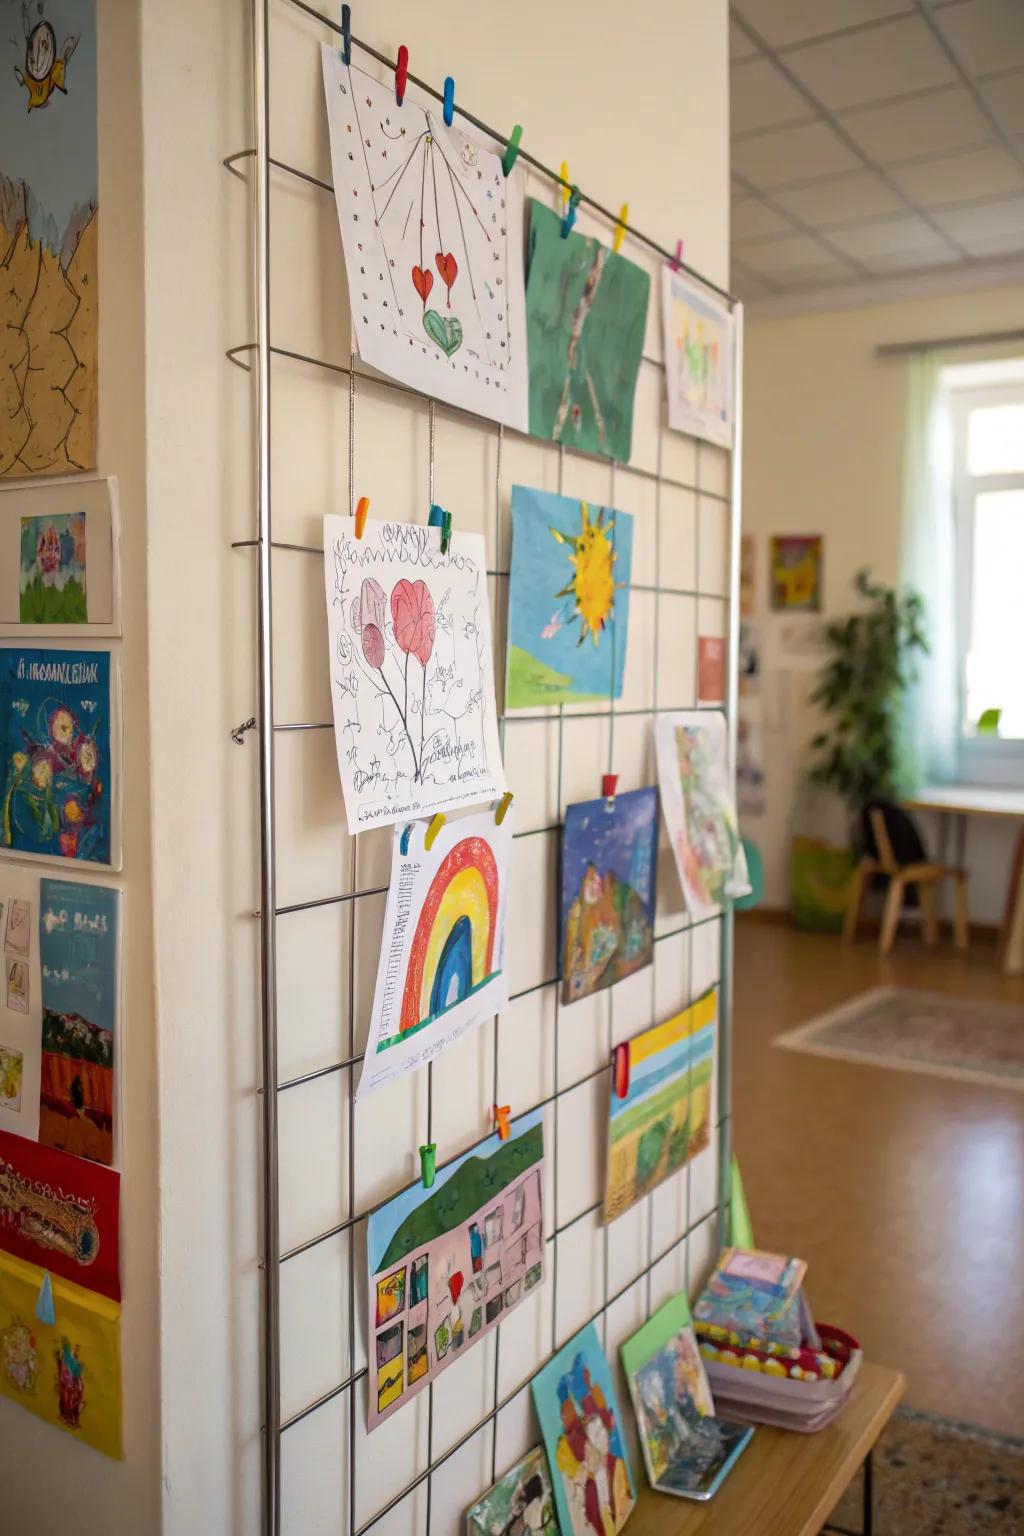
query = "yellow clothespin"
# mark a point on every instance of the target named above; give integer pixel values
(620, 228)
(503, 805)
(437, 822)
(565, 190)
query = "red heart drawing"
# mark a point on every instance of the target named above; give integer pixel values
(422, 281)
(455, 1285)
(447, 267)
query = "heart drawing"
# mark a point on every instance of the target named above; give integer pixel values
(423, 282)
(449, 271)
(445, 331)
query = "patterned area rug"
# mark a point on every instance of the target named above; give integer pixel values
(968, 1038)
(934, 1477)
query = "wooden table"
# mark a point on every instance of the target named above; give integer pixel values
(785, 1484)
(958, 801)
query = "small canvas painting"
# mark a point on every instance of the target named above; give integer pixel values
(580, 1420)
(53, 569)
(796, 573)
(609, 851)
(568, 612)
(698, 337)
(692, 750)
(12, 1070)
(520, 1504)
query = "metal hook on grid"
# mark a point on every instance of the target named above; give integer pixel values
(239, 731)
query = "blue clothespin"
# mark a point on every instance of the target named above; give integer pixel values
(346, 34)
(44, 1301)
(512, 149)
(449, 100)
(439, 518)
(403, 842)
(570, 211)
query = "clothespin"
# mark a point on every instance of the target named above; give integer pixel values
(570, 212)
(401, 73)
(620, 1070)
(608, 783)
(428, 1163)
(44, 1301)
(512, 149)
(436, 823)
(439, 518)
(448, 108)
(403, 841)
(565, 186)
(620, 228)
(501, 1125)
(677, 263)
(503, 805)
(362, 507)
(346, 34)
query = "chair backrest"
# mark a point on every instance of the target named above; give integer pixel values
(890, 835)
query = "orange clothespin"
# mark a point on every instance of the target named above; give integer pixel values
(437, 822)
(362, 507)
(620, 228)
(503, 805)
(501, 1114)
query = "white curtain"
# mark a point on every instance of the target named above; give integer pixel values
(931, 705)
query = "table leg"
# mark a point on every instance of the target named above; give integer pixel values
(868, 1522)
(943, 895)
(961, 839)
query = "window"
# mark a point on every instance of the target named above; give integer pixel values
(988, 500)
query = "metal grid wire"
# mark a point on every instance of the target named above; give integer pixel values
(256, 357)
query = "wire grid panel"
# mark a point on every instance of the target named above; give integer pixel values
(336, 434)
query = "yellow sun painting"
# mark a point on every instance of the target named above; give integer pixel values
(593, 584)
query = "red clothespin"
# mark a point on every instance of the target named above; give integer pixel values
(678, 261)
(608, 783)
(501, 1114)
(620, 1070)
(503, 805)
(362, 507)
(401, 73)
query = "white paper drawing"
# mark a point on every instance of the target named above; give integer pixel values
(412, 679)
(21, 1011)
(698, 338)
(442, 959)
(432, 233)
(700, 814)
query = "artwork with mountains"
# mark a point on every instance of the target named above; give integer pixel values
(609, 852)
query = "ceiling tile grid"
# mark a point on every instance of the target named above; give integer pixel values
(874, 137)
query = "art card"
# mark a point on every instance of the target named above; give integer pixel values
(568, 607)
(758, 1296)
(580, 1420)
(68, 1372)
(16, 973)
(58, 559)
(56, 771)
(698, 337)
(78, 945)
(697, 800)
(412, 680)
(12, 1073)
(609, 852)
(447, 1263)
(48, 224)
(796, 573)
(442, 958)
(20, 1004)
(61, 1212)
(659, 1109)
(687, 1451)
(520, 1504)
(432, 233)
(18, 933)
(586, 312)
(710, 669)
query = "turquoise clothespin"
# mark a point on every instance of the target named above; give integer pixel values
(448, 109)
(44, 1301)
(439, 518)
(570, 211)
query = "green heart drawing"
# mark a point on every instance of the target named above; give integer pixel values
(446, 333)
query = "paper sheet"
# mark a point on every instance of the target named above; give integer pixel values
(697, 802)
(20, 1030)
(609, 856)
(698, 336)
(61, 1212)
(59, 559)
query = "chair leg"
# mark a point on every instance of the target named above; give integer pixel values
(960, 913)
(929, 921)
(854, 902)
(891, 915)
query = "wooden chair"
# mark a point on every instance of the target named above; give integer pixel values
(894, 850)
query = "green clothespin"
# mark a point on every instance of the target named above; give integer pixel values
(741, 1233)
(439, 518)
(508, 160)
(428, 1163)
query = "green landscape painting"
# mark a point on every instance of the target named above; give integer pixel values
(53, 569)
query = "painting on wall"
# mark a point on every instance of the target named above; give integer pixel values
(20, 1007)
(580, 1420)
(447, 1263)
(432, 234)
(586, 311)
(53, 569)
(609, 853)
(48, 222)
(12, 1076)
(659, 1110)
(55, 755)
(698, 337)
(700, 814)
(412, 678)
(57, 559)
(61, 1212)
(520, 1504)
(568, 607)
(78, 951)
(796, 573)
(442, 958)
(748, 576)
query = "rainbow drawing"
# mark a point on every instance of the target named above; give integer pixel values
(452, 952)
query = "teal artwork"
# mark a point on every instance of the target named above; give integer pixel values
(586, 311)
(53, 569)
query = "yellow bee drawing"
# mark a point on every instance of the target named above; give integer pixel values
(45, 70)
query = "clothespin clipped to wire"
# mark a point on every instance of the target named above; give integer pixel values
(346, 34)
(503, 805)
(403, 841)
(448, 109)
(565, 186)
(436, 823)
(508, 160)
(44, 1301)
(608, 785)
(501, 1125)
(401, 73)
(439, 518)
(428, 1163)
(620, 1070)
(362, 507)
(620, 228)
(677, 263)
(570, 212)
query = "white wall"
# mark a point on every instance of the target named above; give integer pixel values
(823, 453)
(637, 104)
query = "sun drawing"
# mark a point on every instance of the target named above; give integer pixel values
(593, 585)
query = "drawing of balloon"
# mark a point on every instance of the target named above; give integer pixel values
(370, 607)
(373, 645)
(412, 613)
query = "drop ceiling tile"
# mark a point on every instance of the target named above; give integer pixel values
(918, 260)
(773, 257)
(751, 219)
(761, 97)
(1005, 96)
(781, 22)
(886, 237)
(979, 173)
(887, 60)
(829, 273)
(782, 155)
(942, 120)
(740, 46)
(996, 245)
(840, 199)
(985, 34)
(999, 220)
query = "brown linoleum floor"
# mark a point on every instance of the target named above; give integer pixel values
(904, 1192)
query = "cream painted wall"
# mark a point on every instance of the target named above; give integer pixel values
(637, 104)
(823, 453)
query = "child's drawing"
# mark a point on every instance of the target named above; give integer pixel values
(796, 572)
(520, 1503)
(699, 808)
(698, 336)
(432, 233)
(12, 1065)
(609, 850)
(53, 569)
(412, 681)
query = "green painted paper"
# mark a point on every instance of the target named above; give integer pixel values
(669, 1320)
(741, 1232)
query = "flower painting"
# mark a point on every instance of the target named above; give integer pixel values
(699, 807)
(55, 767)
(53, 569)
